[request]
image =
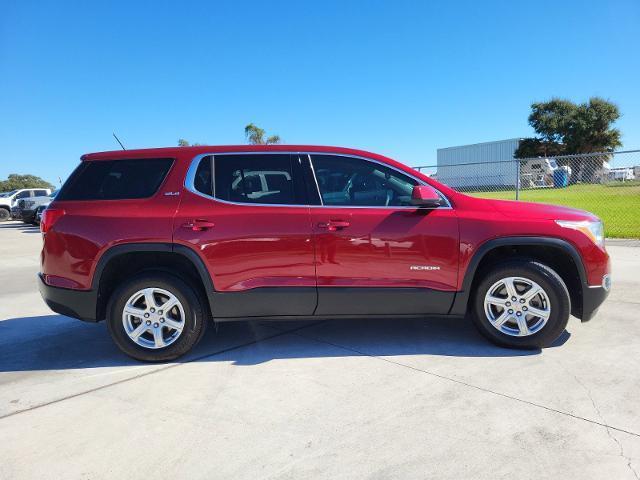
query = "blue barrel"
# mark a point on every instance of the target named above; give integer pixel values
(560, 178)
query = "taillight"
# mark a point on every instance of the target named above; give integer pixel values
(49, 217)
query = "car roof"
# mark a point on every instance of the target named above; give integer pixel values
(192, 151)
(201, 149)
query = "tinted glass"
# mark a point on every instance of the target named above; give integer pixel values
(202, 180)
(40, 193)
(24, 194)
(115, 179)
(266, 179)
(357, 182)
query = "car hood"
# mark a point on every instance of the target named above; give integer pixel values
(539, 211)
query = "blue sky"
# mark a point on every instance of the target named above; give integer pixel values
(398, 78)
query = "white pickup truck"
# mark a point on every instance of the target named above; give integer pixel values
(10, 199)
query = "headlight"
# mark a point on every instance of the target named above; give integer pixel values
(592, 229)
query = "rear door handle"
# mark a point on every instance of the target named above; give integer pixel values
(334, 225)
(198, 225)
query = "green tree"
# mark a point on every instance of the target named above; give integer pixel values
(566, 128)
(255, 135)
(15, 181)
(185, 143)
(535, 147)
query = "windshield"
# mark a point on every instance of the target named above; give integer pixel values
(7, 194)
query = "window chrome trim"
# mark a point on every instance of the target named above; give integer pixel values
(391, 167)
(191, 173)
(189, 180)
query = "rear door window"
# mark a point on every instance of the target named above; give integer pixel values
(202, 180)
(116, 179)
(259, 179)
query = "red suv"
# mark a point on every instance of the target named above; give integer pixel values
(158, 242)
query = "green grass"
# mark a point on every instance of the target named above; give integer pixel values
(617, 204)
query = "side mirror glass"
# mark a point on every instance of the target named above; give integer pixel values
(425, 196)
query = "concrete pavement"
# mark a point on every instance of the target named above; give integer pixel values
(338, 399)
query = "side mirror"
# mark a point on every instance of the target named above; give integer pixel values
(425, 196)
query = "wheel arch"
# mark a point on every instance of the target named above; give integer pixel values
(546, 249)
(123, 259)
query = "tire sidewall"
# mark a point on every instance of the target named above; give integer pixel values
(550, 282)
(193, 310)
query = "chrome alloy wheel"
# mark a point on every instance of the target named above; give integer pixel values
(153, 318)
(517, 306)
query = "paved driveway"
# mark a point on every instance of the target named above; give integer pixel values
(337, 399)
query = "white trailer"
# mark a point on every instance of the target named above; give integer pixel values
(622, 174)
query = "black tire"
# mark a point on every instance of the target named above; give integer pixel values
(194, 309)
(545, 277)
(4, 214)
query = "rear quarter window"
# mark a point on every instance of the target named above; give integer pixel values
(116, 179)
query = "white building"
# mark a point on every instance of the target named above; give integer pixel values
(481, 165)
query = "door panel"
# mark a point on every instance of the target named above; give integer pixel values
(373, 244)
(404, 248)
(387, 248)
(250, 248)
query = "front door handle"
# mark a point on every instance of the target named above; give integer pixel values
(198, 225)
(334, 225)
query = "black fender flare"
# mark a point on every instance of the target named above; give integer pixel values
(167, 247)
(461, 301)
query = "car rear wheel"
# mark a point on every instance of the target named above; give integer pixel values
(156, 317)
(521, 304)
(4, 214)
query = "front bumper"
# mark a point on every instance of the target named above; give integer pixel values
(592, 298)
(80, 304)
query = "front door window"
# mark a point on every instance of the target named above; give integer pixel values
(349, 181)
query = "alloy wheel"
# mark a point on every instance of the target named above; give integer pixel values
(517, 306)
(153, 318)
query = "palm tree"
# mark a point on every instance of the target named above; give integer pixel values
(255, 136)
(185, 143)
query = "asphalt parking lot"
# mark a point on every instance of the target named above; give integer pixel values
(336, 399)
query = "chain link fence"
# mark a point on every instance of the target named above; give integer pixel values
(607, 184)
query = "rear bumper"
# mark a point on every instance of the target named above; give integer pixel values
(80, 304)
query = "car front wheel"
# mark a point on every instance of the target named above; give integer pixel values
(521, 304)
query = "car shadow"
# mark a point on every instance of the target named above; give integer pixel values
(22, 227)
(55, 342)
